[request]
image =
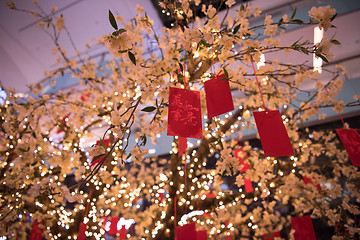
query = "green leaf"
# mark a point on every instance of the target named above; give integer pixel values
(112, 20)
(236, 29)
(293, 15)
(242, 8)
(128, 156)
(203, 42)
(181, 67)
(333, 17)
(97, 157)
(103, 144)
(336, 42)
(226, 73)
(120, 31)
(298, 21)
(322, 57)
(148, 109)
(132, 57)
(281, 21)
(251, 163)
(122, 51)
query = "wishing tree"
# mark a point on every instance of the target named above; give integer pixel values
(199, 81)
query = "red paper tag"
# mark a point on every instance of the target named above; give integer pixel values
(182, 145)
(210, 195)
(36, 232)
(186, 232)
(161, 197)
(271, 236)
(218, 96)
(240, 154)
(201, 235)
(184, 117)
(351, 141)
(303, 227)
(113, 225)
(229, 237)
(308, 180)
(248, 185)
(82, 230)
(107, 143)
(273, 136)
(122, 233)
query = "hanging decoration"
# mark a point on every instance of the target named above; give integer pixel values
(36, 231)
(82, 230)
(186, 232)
(351, 141)
(184, 117)
(304, 229)
(123, 231)
(240, 154)
(218, 96)
(201, 235)
(309, 181)
(273, 136)
(182, 145)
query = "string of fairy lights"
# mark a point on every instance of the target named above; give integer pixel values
(200, 184)
(128, 195)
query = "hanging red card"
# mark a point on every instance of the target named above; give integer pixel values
(186, 232)
(182, 145)
(218, 96)
(308, 180)
(303, 227)
(184, 115)
(271, 236)
(248, 185)
(273, 136)
(82, 230)
(36, 232)
(122, 233)
(113, 225)
(240, 154)
(201, 235)
(351, 141)
(107, 143)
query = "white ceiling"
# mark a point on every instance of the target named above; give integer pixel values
(25, 50)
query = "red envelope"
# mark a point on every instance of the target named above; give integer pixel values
(273, 136)
(186, 232)
(201, 235)
(351, 141)
(248, 185)
(218, 96)
(303, 227)
(182, 145)
(113, 225)
(184, 116)
(82, 230)
(271, 236)
(36, 232)
(107, 143)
